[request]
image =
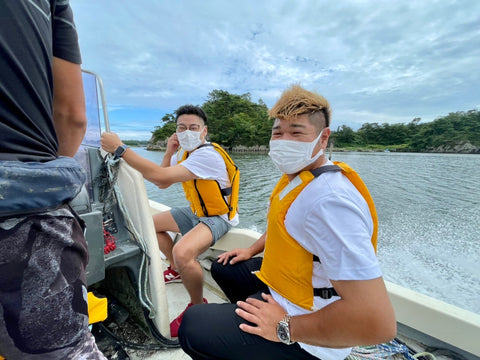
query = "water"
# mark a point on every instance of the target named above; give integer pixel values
(428, 207)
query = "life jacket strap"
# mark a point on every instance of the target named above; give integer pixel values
(226, 191)
(324, 293)
(323, 169)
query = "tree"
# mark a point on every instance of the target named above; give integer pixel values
(164, 131)
(344, 136)
(236, 120)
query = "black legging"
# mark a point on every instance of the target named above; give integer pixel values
(211, 331)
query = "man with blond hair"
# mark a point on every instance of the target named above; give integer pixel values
(318, 290)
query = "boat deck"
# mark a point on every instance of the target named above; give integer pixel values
(177, 298)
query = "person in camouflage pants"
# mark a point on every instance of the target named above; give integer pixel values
(43, 293)
(43, 252)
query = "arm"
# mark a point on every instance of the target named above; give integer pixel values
(163, 177)
(237, 255)
(68, 106)
(364, 315)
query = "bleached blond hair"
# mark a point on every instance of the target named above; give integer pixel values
(296, 101)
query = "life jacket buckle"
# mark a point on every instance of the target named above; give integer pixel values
(325, 293)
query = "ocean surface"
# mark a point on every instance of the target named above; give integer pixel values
(428, 207)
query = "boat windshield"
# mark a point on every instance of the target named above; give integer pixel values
(91, 141)
(92, 136)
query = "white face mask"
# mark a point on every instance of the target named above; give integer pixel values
(189, 140)
(291, 156)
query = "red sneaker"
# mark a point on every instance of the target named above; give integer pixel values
(175, 324)
(171, 276)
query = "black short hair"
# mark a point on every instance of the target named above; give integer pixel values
(191, 110)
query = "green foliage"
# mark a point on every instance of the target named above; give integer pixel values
(232, 120)
(455, 128)
(135, 142)
(448, 131)
(344, 137)
(236, 120)
(166, 130)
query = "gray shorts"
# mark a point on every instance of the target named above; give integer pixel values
(186, 221)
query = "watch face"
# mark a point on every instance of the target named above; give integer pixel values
(283, 332)
(120, 150)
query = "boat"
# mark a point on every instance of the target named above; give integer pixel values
(116, 208)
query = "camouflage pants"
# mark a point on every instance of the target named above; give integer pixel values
(43, 308)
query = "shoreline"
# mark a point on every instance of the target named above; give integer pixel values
(264, 150)
(459, 148)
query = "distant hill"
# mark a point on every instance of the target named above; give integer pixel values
(457, 132)
(235, 122)
(136, 142)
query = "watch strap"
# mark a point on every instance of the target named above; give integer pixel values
(286, 323)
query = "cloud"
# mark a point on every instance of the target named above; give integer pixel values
(375, 61)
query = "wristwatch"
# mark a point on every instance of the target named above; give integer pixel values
(283, 330)
(120, 151)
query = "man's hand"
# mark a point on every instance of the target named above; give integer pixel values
(233, 256)
(110, 142)
(264, 314)
(172, 144)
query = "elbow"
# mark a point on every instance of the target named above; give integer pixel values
(162, 184)
(391, 328)
(383, 329)
(74, 118)
(78, 122)
(70, 128)
(386, 333)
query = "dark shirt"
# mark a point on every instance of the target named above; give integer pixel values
(31, 33)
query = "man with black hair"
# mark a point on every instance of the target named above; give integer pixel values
(204, 174)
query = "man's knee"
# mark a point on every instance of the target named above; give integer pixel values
(182, 258)
(218, 270)
(230, 272)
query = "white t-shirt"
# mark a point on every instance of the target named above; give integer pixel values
(207, 164)
(331, 219)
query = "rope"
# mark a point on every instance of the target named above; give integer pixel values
(111, 194)
(131, 345)
(381, 351)
(170, 344)
(424, 354)
(392, 350)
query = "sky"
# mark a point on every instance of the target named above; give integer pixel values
(375, 61)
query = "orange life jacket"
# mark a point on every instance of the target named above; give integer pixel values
(291, 276)
(206, 197)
